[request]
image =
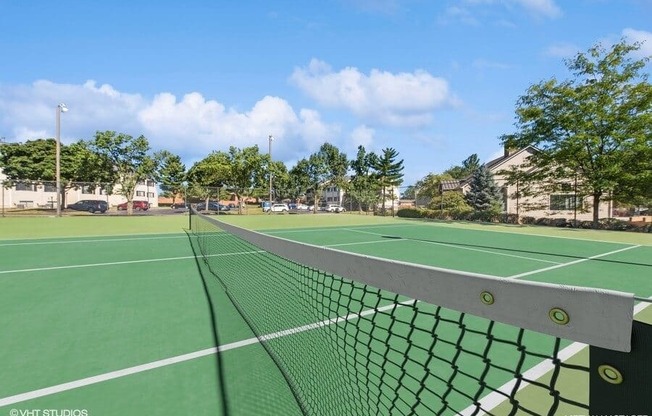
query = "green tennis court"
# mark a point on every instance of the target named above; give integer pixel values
(122, 324)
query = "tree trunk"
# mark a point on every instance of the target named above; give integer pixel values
(596, 209)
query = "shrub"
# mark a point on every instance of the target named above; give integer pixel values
(528, 220)
(509, 218)
(410, 213)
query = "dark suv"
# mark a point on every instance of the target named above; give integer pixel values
(137, 206)
(90, 205)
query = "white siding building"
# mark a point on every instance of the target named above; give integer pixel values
(29, 194)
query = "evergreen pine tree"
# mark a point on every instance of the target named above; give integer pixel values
(484, 194)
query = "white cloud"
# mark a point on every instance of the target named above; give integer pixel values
(191, 126)
(642, 36)
(362, 136)
(380, 96)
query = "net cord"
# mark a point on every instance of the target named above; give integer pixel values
(596, 316)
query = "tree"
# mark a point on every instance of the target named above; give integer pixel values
(281, 184)
(596, 126)
(326, 166)
(171, 174)
(428, 189)
(208, 175)
(364, 187)
(389, 173)
(450, 204)
(34, 161)
(247, 172)
(484, 195)
(299, 178)
(469, 165)
(128, 160)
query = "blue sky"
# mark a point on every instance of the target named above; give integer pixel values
(436, 80)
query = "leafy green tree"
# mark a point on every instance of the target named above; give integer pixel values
(450, 204)
(428, 189)
(248, 174)
(596, 126)
(327, 166)
(35, 161)
(281, 185)
(128, 158)
(484, 195)
(299, 178)
(208, 175)
(389, 172)
(469, 165)
(364, 188)
(170, 174)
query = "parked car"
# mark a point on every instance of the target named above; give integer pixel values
(302, 207)
(136, 205)
(90, 205)
(280, 208)
(265, 205)
(334, 208)
(212, 206)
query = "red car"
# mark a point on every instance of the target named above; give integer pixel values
(137, 206)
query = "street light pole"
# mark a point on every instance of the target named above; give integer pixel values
(271, 139)
(61, 108)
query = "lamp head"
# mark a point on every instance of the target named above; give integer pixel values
(63, 107)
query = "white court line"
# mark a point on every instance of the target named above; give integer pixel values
(59, 388)
(360, 243)
(104, 240)
(452, 226)
(597, 256)
(117, 263)
(185, 357)
(464, 248)
(494, 399)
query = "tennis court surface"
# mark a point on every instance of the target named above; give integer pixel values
(131, 325)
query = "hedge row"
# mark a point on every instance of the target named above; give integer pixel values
(603, 224)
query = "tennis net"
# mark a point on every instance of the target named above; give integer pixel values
(359, 335)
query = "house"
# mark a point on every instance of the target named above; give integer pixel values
(332, 194)
(560, 204)
(37, 194)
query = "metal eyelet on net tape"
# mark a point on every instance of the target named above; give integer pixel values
(487, 298)
(610, 374)
(559, 316)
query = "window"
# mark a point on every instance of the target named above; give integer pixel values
(140, 193)
(22, 186)
(50, 187)
(563, 202)
(150, 183)
(150, 194)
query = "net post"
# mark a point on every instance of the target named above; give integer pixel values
(620, 382)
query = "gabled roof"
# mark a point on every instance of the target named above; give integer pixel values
(451, 185)
(493, 165)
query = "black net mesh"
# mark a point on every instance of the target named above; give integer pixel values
(346, 348)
